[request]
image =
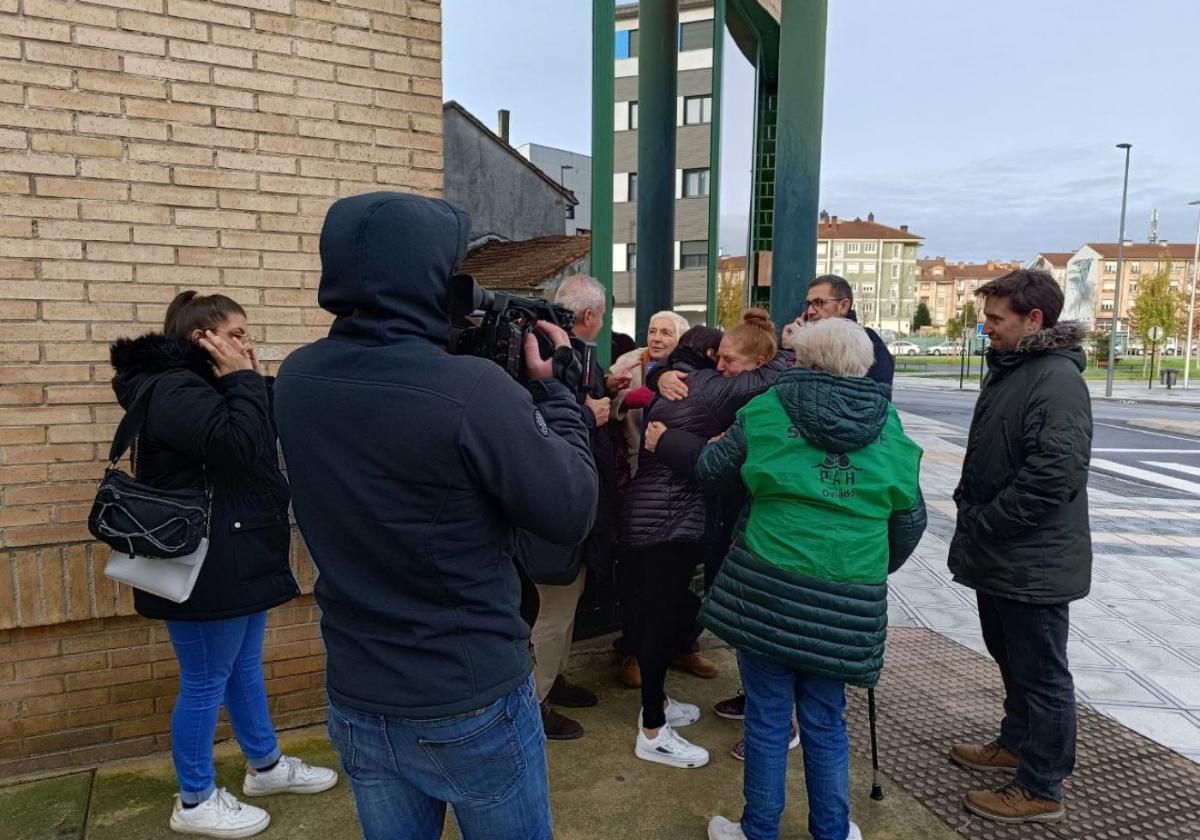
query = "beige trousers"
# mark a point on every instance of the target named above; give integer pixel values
(553, 631)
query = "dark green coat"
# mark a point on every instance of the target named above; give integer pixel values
(1023, 531)
(835, 505)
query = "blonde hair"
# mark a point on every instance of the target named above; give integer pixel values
(834, 345)
(755, 336)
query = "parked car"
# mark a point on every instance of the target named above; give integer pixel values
(903, 348)
(944, 349)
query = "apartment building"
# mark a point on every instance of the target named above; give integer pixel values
(1091, 278)
(880, 263)
(945, 287)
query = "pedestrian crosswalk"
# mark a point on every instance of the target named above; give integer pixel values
(1162, 473)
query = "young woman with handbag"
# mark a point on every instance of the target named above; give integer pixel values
(207, 424)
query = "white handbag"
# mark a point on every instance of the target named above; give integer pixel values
(172, 579)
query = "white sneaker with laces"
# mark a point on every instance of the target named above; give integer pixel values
(290, 775)
(670, 749)
(677, 714)
(221, 815)
(720, 828)
(855, 833)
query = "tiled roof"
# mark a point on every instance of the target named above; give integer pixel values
(964, 271)
(523, 266)
(858, 229)
(1058, 259)
(1145, 251)
(731, 264)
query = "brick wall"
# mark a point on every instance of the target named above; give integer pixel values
(146, 147)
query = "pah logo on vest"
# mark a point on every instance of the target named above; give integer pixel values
(839, 475)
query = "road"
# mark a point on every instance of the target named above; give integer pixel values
(1125, 459)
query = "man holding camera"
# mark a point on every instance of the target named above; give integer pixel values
(558, 572)
(411, 471)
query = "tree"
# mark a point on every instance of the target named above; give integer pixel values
(922, 318)
(731, 300)
(1155, 305)
(969, 316)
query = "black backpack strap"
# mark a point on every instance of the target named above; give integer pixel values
(134, 419)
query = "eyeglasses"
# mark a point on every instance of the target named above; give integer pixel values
(818, 303)
(238, 335)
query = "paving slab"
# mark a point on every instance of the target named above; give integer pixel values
(47, 809)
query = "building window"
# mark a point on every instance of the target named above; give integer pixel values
(696, 35)
(897, 251)
(868, 288)
(895, 272)
(627, 43)
(852, 268)
(837, 268)
(633, 115)
(1110, 267)
(870, 247)
(697, 110)
(693, 254)
(868, 268)
(1135, 268)
(839, 248)
(822, 248)
(570, 211)
(695, 183)
(633, 186)
(1106, 306)
(1176, 268)
(853, 247)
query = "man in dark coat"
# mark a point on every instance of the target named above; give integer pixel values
(1023, 540)
(411, 471)
(830, 296)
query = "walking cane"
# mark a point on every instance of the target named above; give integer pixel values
(876, 788)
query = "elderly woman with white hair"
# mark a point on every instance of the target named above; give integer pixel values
(835, 506)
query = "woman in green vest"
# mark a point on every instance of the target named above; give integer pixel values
(835, 506)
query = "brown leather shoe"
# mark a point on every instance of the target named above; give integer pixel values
(559, 727)
(631, 673)
(1013, 804)
(697, 664)
(987, 757)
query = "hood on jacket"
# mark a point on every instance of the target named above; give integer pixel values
(1064, 338)
(386, 261)
(836, 413)
(135, 358)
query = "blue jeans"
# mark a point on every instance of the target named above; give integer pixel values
(489, 765)
(772, 691)
(1029, 643)
(218, 660)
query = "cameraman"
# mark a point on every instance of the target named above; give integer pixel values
(411, 470)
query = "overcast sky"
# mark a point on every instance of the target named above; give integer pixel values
(988, 128)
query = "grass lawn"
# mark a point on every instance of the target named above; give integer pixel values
(1130, 368)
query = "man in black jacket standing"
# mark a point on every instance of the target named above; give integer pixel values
(830, 296)
(1023, 539)
(411, 470)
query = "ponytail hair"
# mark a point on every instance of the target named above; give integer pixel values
(755, 336)
(191, 311)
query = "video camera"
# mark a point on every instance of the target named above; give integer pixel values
(493, 325)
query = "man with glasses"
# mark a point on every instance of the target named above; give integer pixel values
(830, 296)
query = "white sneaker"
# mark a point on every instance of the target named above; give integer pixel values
(221, 815)
(854, 834)
(669, 748)
(290, 775)
(677, 714)
(720, 828)
(795, 742)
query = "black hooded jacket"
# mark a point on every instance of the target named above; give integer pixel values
(200, 427)
(412, 469)
(1023, 530)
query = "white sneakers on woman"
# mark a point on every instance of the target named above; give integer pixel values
(720, 828)
(222, 815)
(668, 747)
(290, 775)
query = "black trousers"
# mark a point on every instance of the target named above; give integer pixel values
(630, 583)
(1029, 643)
(668, 615)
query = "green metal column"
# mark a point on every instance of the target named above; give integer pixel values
(714, 162)
(797, 155)
(603, 68)
(658, 53)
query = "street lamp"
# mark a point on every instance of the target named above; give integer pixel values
(1187, 353)
(562, 170)
(1112, 338)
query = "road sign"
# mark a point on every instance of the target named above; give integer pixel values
(979, 330)
(1155, 333)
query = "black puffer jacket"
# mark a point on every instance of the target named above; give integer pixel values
(1023, 531)
(197, 424)
(660, 505)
